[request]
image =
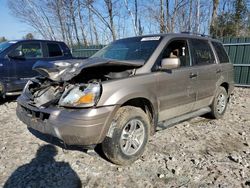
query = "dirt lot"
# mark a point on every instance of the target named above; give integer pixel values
(195, 153)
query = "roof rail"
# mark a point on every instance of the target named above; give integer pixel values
(199, 34)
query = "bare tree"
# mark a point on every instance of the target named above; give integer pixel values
(197, 18)
(174, 15)
(190, 15)
(162, 18)
(73, 17)
(37, 16)
(110, 23)
(101, 21)
(79, 10)
(214, 16)
(109, 5)
(57, 5)
(133, 17)
(168, 18)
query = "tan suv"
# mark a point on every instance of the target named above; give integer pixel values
(126, 91)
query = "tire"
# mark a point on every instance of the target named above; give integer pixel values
(219, 104)
(130, 136)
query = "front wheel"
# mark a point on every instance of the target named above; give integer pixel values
(129, 137)
(219, 104)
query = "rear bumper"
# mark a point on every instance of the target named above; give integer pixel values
(72, 126)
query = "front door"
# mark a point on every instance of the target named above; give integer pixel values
(176, 88)
(21, 68)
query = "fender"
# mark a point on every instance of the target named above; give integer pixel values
(117, 92)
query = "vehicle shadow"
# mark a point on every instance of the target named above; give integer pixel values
(44, 171)
(91, 150)
(8, 99)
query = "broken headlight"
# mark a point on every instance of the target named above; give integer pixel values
(84, 95)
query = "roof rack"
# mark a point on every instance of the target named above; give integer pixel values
(199, 34)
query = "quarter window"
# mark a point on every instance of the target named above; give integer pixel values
(54, 50)
(201, 52)
(222, 55)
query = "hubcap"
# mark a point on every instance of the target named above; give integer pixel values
(221, 103)
(132, 137)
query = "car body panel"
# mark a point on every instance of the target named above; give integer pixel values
(175, 89)
(86, 124)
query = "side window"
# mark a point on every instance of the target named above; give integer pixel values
(54, 50)
(201, 52)
(30, 50)
(178, 48)
(220, 51)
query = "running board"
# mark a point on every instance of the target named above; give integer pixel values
(13, 93)
(173, 121)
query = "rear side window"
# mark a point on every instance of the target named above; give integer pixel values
(202, 53)
(222, 55)
(54, 50)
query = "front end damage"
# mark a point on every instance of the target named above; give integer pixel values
(63, 101)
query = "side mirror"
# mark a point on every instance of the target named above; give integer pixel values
(16, 54)
(170, 63)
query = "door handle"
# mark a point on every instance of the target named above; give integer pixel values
(193, 75)
(218, 71)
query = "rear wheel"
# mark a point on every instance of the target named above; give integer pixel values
(219, 104)
(129, 137)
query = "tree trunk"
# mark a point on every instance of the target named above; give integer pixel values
(132, 17)
(174, 16)
(58, 6)
(72, 14)
(85, 42)
(109, 6)
(162, 18)
(214, 17)
(95, 31)
(167, 17)
(197, 21)
(190, 16)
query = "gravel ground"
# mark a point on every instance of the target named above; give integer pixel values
(196, 153)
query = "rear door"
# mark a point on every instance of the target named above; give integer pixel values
(206, 69)
(176, 88)
(21, 69)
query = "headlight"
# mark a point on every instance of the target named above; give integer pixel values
(26, 86)
(26, 92)
(84, 95)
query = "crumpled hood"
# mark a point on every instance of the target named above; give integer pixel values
(64, 70)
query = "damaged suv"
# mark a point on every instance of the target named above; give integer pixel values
(128, 90)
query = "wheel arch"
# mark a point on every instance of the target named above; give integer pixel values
(147, 106)
(225, 85)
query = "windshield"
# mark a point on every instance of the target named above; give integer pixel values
(4, 45)
(137, 48)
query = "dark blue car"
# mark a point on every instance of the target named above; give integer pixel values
(18, 57)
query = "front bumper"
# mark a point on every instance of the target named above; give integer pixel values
(72, 126)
